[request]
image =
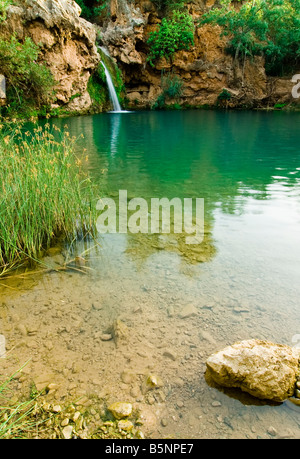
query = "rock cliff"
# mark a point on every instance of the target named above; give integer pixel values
(67, 45)
(205, 70)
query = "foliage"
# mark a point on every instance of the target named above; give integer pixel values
(115, 74)
(172, 87)
(224, 95)
(169, 5)
(44, 192)
(14, 419)
(28, 82)
(90, 9)
(174, 34)
(97, 88)
(4, 4)
(261, 27)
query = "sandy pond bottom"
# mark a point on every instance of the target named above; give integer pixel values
(172, 315)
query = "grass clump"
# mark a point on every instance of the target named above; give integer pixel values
(44, 192)
(15, 418)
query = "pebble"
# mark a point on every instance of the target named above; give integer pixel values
(120, 409)
(106, 337)
(52, 387)
(67, 432)
(56, 409)
(170, 311)
(188, 311)
(151, 399)
(135, 391)
(216, 403)
(48, 345)
(76, 415)
(297, 393)
(170, 354)
(127, 377)
(126, 425)
(22, 329)
(272, 431)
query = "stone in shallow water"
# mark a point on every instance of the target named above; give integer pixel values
(188, 311)
(120, 410)
(126, 425)
(263, 369)
(67, 432)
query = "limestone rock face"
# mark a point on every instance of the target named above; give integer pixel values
(206, 70)
(261, 368)
(67, 45)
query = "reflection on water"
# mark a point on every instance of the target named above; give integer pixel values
(179, 303)
(115, 130)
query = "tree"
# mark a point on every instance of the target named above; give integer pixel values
(27, 80)
(261, 27)
(90, 9)
(175, 33)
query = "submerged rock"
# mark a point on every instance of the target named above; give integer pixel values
(120, 410)
(151, 381)
(119, 331)
(67, 43)
(263, 369)
(67, 432)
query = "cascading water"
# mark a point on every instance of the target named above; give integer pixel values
(112, 92)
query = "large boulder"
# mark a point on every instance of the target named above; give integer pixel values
(261, 368)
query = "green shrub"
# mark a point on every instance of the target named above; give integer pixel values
(97, 88)
(168, 5)
(172, 87)
(4, 4)
(270, 28)
(174, 34)
(90, 9)
(224, 95)
(29, 84)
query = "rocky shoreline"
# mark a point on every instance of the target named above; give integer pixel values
(268, 371)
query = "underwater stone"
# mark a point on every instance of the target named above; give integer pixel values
(120, 410)
(263, 369)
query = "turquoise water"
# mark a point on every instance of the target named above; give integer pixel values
(246, 166)
(180, 303)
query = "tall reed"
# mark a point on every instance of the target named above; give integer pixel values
(44, 192)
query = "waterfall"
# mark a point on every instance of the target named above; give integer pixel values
(112, 92)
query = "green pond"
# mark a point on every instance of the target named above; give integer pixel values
(179, 303)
